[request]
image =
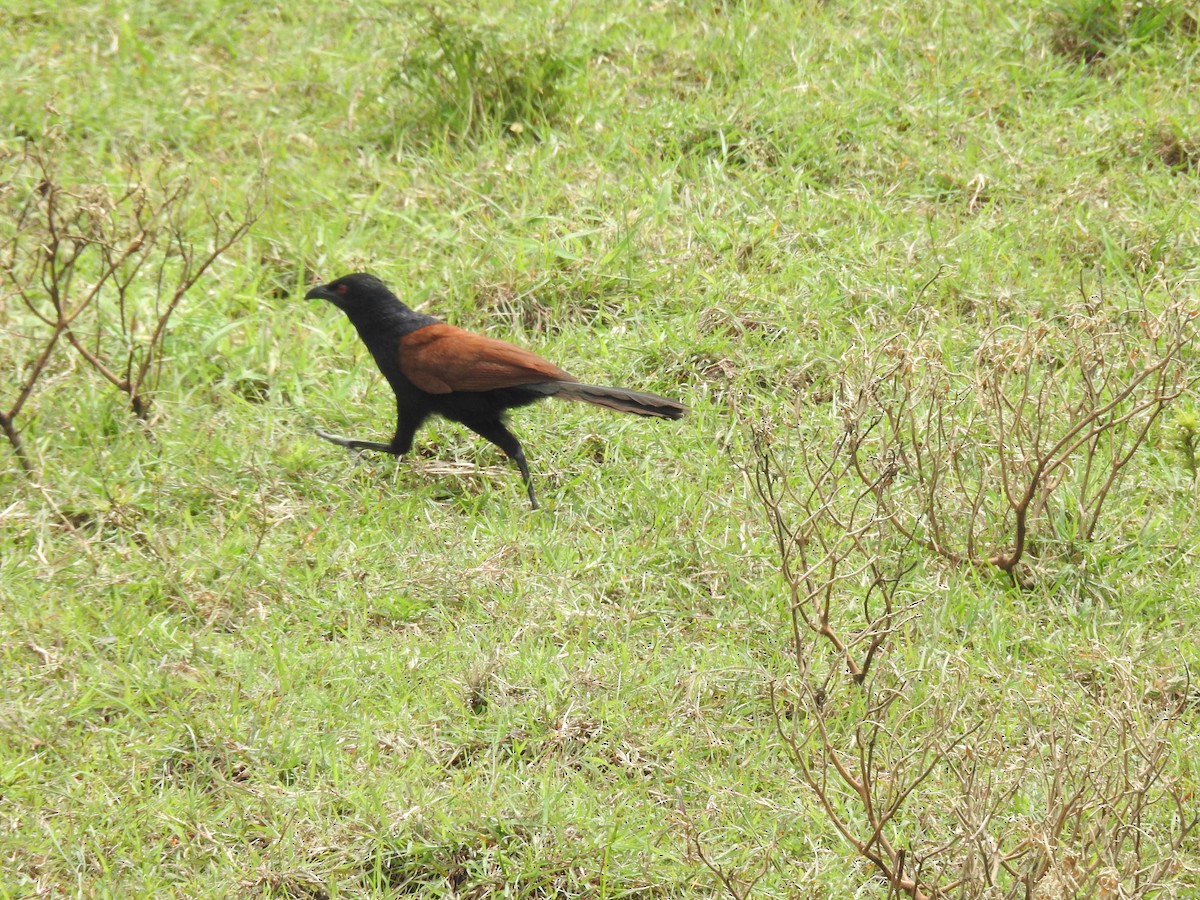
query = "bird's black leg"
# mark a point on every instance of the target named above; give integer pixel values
(353, 443)
(407, 423)
(406, 427)
(498, 434)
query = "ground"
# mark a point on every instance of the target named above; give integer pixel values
(238, 661)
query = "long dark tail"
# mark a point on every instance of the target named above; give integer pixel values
(623, 400)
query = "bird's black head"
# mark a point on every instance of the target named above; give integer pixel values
(359, 292)
(376, 312)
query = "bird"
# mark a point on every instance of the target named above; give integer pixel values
(438, 369)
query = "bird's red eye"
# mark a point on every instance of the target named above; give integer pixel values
(341, 289)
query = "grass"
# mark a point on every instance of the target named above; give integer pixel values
(254, 666)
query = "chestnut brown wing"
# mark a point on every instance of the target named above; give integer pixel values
(440, 359)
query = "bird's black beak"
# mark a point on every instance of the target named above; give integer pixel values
(317, 293)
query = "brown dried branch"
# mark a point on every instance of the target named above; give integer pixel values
(84, 258)
(1113, 811)
(729, 881)
(865, 780)
(957, 465)
(836, 549)
(843, 563)
(1038, 435)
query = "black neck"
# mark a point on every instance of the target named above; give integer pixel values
(388, 321)
(382, 326)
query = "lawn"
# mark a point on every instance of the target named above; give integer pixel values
(761, 651)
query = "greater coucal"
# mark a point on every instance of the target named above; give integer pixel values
(437, 368)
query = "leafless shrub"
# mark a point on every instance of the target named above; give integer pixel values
(850, 730)
(840, 557)
(947, 786)
(738, 885)
(1104, 810)
(1029, 443)
(1053, 795)
(866, 753)
(100, 268)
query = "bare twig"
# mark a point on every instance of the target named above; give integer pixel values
(1035, 438)
(84, 257)
(730, 882)
(972, 469)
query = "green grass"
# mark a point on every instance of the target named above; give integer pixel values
(257, 666)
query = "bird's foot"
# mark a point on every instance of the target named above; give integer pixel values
(354, 444)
